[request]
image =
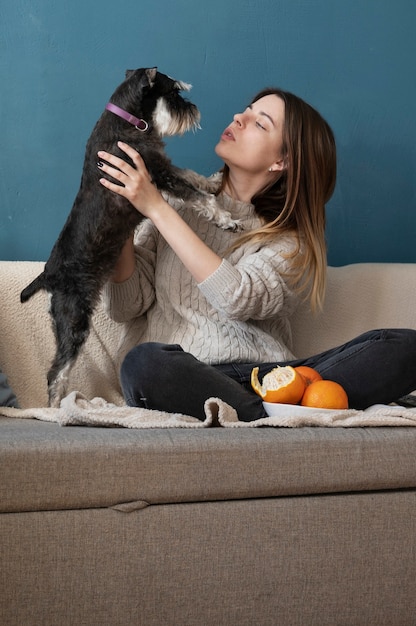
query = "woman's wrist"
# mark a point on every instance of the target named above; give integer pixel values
(159, 212)
(196, 256)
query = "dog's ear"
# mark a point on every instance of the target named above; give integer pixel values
(129, 73)
(151, 75)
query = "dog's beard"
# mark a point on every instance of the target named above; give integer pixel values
(169, 122)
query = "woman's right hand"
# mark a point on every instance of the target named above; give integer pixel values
(136, 184)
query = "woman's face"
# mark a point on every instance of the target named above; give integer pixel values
(253, 141)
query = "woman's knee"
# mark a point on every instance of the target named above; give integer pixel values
(139, 371)
(146, 361)
(408, 336)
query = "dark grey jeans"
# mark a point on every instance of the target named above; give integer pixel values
(379, 366)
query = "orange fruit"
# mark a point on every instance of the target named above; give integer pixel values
(325, 394)
(308, 373)
(281, 384)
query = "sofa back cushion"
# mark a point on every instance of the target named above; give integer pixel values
(359, 297)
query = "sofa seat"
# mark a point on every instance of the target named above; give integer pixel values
(48, 467)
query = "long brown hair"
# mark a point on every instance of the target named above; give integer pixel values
(295, 202)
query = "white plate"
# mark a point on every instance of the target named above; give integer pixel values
(289, 410)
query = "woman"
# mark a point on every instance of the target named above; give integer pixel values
(219, 303)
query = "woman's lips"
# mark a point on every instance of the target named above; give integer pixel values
(228, 135)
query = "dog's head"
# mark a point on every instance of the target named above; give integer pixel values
(156, 98)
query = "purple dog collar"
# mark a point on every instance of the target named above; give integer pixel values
(135, 121)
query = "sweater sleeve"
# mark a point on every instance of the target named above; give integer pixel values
(256, 287)
(134, 296)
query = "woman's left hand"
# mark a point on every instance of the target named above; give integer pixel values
(136, 184)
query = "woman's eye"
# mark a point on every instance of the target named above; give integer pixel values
(260, 126)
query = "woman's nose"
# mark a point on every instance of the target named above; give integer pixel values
(238, 119)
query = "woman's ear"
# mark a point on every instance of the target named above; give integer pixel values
(279, 166)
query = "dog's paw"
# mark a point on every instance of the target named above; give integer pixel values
(224, 220)
(209, 185)
(174, 201)
(227, 223)
(212, 211)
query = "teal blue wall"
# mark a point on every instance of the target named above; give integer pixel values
(352, 59)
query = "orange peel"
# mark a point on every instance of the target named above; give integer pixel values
(282, 384)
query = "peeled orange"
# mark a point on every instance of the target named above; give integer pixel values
(325, 394)
(308, 373)
(281, 384)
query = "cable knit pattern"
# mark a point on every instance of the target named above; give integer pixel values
(239, 314)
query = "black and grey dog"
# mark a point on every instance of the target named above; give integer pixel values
(144, 108)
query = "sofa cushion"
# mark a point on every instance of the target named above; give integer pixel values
(359, 297)
(44, 466)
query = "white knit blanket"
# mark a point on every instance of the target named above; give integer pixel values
(76, 410)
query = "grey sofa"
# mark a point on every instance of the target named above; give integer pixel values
(221, 527)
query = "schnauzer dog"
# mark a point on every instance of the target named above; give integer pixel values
(144, 108)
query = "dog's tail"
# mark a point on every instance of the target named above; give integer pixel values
(33, 287)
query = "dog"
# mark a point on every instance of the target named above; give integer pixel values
(144, 108)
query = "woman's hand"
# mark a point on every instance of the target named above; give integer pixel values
(136, 184)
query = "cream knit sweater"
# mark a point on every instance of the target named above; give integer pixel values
(239, 314)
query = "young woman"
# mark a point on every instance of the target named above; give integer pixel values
(212, 304)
